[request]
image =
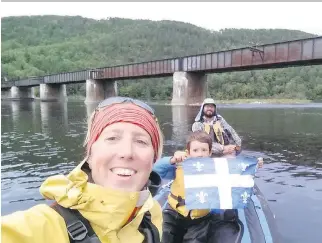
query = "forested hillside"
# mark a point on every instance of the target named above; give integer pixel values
(40, 45)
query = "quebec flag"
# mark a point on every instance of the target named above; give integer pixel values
(218, 183)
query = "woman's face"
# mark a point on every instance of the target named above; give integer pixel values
(122, 157)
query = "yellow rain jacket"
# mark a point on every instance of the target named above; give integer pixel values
(177, 189)
(107, 211)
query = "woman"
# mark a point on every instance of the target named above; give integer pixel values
(108, 197)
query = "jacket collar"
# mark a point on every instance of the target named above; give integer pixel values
(106, 208)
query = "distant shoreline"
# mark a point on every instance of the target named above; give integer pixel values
(272, 101)
(265, 101)
(247, 101)
(226, 102)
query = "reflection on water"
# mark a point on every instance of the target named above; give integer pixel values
(40, 139)
(47, 113)
(90, 107)
(295, 195)
(18, 109)
(180, 124)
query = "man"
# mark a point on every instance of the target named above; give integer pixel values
(225, 139)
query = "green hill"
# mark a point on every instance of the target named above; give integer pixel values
(40, 45)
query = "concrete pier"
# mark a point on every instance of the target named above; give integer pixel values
(6, 94)
(53, 92)
(98, 90)
(189, 88)
(18, 93)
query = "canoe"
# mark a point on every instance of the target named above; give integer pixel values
(257, 222)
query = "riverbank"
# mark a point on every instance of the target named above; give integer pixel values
(235, 101)
(264, 101)
(247, 101)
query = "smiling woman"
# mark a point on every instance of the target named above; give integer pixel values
(130, 132)
(108, 197)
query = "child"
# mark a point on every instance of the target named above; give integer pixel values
(181, 224)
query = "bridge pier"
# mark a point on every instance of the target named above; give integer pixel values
(98, 90)
(189, 88)
(52, 92)
(6, 94)
(18, 93)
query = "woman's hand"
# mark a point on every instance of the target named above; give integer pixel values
(178, 157)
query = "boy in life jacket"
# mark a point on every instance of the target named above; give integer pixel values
(181, 224)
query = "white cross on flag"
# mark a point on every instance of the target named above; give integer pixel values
(218, 183)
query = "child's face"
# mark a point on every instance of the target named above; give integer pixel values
(198, 149)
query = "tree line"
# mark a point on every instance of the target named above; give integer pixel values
(41, 45)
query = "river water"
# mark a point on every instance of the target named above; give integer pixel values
(39, 139)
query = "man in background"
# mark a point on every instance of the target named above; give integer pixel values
(225, 139)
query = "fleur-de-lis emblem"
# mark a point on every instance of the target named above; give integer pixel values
(202, 196)
(245, 196)
(243, 166)
(198, 166)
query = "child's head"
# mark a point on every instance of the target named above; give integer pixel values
(199, 144)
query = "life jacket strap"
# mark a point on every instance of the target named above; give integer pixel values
(78, 228)
(80, 231)
(150, 231)
(77, 231)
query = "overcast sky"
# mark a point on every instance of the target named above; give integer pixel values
(300, 16)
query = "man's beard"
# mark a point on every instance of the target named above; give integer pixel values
(209, 114)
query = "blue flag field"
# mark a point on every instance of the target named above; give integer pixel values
(218, 183)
